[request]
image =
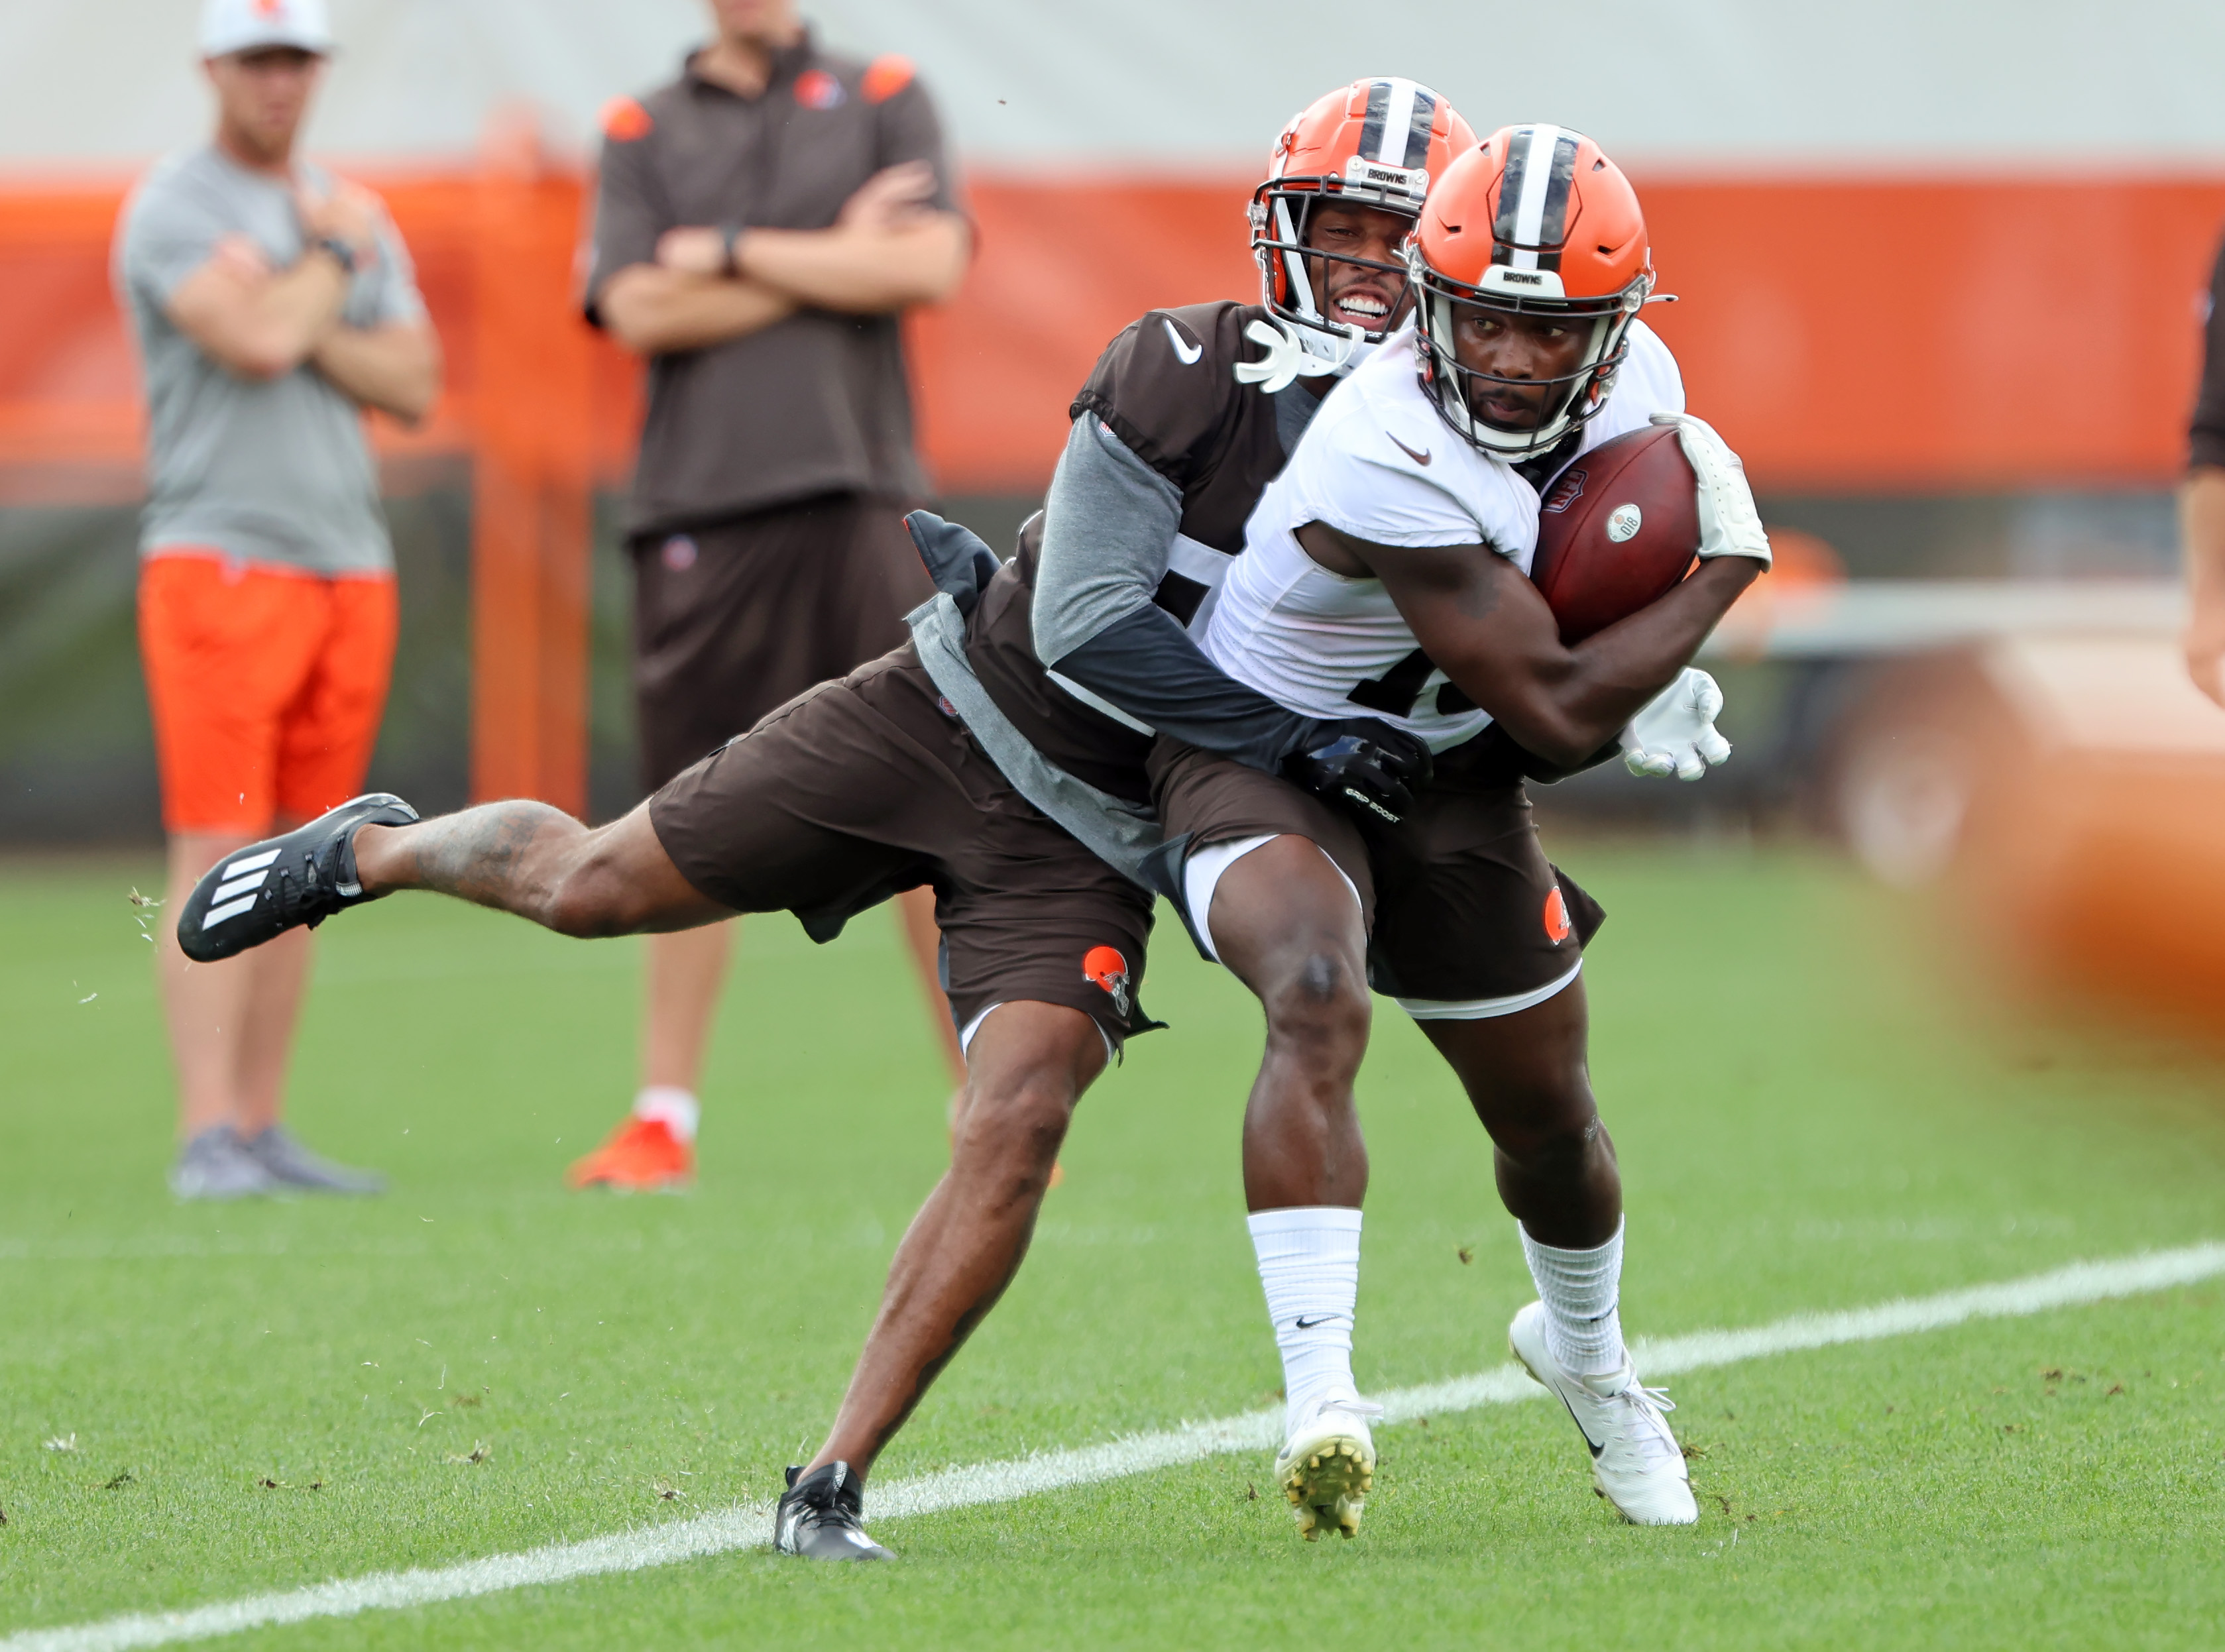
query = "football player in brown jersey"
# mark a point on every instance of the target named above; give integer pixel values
(1086, 641)
(877, 783)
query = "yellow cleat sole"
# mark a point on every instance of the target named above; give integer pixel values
(1328, 1488)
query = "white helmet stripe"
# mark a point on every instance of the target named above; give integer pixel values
(1398, 117)
(1537, 143)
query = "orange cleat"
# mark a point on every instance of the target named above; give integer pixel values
(641, 1155)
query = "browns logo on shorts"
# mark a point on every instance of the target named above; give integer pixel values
(1105, 967)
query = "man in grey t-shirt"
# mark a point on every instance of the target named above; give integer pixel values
(272, 304)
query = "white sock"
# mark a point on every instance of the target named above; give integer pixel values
(678, 1109)
(1309, 1268)
(1580, 1290)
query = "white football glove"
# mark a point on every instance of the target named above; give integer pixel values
(1674, 733)
(1729, 525)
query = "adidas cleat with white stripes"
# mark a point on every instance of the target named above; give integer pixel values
(259, 893)
(1636, 1462)
(1328, 1464)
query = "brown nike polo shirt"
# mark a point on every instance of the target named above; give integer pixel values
(812, 405)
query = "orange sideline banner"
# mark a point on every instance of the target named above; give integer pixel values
(1846, 335)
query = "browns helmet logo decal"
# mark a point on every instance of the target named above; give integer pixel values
(1105, 966)
(1557, 926)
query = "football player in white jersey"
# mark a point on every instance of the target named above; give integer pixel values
(1385, 571)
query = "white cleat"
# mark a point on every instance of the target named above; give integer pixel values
(1328, 1464)
(1636, 1462)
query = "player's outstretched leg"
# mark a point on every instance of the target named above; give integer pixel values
(1288, 926)
(297, 879)
(1527, 1077)
(518, 857)
(1027, 1067)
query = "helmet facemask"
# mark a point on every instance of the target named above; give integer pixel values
(1293, 273)
(1572, 398)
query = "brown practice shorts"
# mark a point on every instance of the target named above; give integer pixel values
(1463, 906)
(733, 620)
(862, 787)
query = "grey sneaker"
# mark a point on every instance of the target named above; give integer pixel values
(286, 1160)
(216, 1164)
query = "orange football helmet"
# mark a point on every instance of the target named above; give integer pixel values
(1376, 143)
(1537, 220)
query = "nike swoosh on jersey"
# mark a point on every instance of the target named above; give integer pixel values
(1422, 458)
(1189, 353)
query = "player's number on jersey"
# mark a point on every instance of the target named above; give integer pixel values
(1394, 692)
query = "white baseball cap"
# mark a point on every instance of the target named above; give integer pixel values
(229, 25)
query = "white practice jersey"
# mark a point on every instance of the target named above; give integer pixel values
(1378, 463)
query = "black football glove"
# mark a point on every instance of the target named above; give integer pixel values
(1367, 767)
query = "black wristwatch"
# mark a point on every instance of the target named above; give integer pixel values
(343, 254)
(730, 235)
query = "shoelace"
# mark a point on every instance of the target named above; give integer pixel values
(832, 1511)
(1649, 1403)
(1355, 1406)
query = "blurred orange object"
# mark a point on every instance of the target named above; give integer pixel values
(2099, 848)
(2068, 795)
(532, 474)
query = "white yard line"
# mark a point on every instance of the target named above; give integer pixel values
(750, 1527)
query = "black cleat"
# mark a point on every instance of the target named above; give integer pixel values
(260, 892)
(818, 1517)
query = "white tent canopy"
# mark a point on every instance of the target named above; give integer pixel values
(1923, 85)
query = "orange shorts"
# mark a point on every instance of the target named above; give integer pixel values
(266, 686)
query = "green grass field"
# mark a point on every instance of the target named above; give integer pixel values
(1814, 1110)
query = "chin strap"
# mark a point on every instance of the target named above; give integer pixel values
(1288, 359)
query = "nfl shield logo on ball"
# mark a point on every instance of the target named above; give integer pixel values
(1624, 522)
(1566, 491)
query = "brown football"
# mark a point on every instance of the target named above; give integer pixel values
(1616, 530)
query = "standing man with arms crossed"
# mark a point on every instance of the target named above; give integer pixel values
(271, 305)
(761, 224)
